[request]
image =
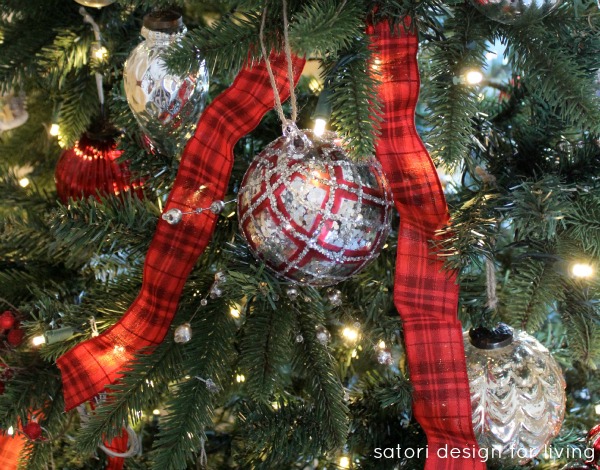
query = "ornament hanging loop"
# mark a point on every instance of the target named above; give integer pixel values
(290, 71)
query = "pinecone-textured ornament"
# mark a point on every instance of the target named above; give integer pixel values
(517, 393)
(519, 12)
(309, 212)
(166, 106)
(183, 333)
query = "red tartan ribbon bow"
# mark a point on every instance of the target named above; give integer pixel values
(425, 295)
(206, 162)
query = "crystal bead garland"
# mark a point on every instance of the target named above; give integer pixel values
(165, 105)
(517, 394)
(311, 213)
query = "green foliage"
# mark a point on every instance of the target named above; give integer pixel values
(260, 390)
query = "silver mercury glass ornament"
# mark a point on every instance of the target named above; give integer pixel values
(517, 393)
(323, 335)
(95, 3)
(518, 12)
(311, 213)
(165, 105)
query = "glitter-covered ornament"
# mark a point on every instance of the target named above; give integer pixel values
(515, 11)
(517, 393)
(165, 105)
(183, 333)
(90, 168)
(309, 212)
(95, 3)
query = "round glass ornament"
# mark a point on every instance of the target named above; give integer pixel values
(517, 393)
(515, 12)
(166, 105)
(309, 212)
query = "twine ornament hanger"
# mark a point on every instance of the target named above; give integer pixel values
(290, 72)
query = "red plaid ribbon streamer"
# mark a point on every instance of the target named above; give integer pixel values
(10, 450)
(207, 161)
(425, 295)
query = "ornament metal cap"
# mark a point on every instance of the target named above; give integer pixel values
(484, 338)
(168, 21)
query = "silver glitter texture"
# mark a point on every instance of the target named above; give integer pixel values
(515, 11)
(183, 333)
(517, 398)
(165, 105)
(310, 213)
(172, 216)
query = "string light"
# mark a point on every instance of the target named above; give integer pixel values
(319, 128)
(54, 130)
(473, 77)
(234, 312)
(156, 412)
(597, 409)
(38, 340)
(240, 378)
(10, 431)
(381, 344)
(24, 182)
(350, 333)
(99, 52)
(344, 462)
(582, 270)
(315, 85)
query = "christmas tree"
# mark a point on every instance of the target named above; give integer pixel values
(169, 301)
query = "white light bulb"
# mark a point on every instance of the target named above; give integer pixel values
(597, 408)
(235, 313)
(24, 182)
(473, 77)
(10, 431)
(351, 334)
(319, 127)
(582, 270)
(38, 340)
(156, 412)
(239, 378)
(381, 344)
(344, 462)
(100, 53)
(54, 129)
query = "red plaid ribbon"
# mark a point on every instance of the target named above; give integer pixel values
(207, 161)
(10, 450)
(425, 295)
